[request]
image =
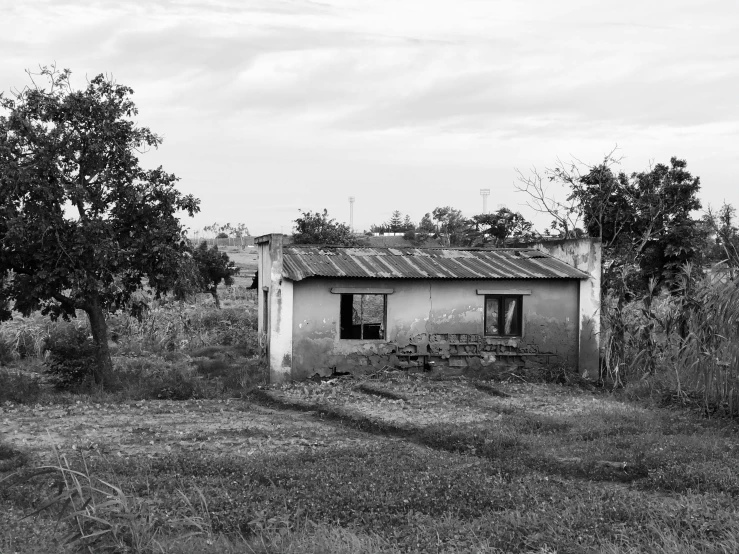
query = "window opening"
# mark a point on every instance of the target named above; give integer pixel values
(503, 315)
(363, 316)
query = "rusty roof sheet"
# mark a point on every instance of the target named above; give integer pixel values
(300, 262)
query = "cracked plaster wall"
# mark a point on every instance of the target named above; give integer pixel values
(440, 319)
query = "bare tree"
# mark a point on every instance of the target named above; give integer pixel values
(556, 193)
(721, 223)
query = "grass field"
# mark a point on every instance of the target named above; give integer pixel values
(188, 454)
(398, 463)
(245, 260)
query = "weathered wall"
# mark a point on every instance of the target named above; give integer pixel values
(584, 254)
(276, 297)
(433, 320)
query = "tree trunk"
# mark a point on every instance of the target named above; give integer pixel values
(104, 366)
(214, 292)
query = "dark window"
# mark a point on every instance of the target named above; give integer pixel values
(363, 316)
(503, 315)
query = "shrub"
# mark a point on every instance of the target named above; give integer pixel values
(18, 387)
(71, 356)
(6, 352)
(213, 368)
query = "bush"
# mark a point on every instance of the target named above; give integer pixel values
(6, 352)
(71, 356)
(18, 387)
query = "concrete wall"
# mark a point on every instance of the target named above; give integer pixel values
(275, 308)
(428, 319)
(585, 255)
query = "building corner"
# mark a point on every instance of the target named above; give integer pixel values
(275, 308)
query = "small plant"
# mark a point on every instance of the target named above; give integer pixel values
(101, 516)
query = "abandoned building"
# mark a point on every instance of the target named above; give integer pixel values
(324, 308)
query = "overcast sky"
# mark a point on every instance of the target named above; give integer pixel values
(271, 106)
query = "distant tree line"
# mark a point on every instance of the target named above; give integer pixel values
(447, 225)
(226, 230)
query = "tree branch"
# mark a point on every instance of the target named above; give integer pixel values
(68, 303)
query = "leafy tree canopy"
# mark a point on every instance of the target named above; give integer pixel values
(82, 224)
(498, 226)
(318, 228)
(426, 225)
(452, 226)
(644, 218)
(213, 267)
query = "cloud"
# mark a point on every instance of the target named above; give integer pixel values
(270, 98)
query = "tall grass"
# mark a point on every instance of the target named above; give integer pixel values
(180, 326)
(688, 340)
(100, 517)
(26, 337)
(707, 358)
(163, 325)
(157, 350)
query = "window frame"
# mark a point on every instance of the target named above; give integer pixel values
(363, 292)
(501, 298)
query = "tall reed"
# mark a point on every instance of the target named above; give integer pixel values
(689, 336)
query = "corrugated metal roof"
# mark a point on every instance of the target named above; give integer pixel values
(300, 262)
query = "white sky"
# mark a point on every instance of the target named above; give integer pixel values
(270, 106)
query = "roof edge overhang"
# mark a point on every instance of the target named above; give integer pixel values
(583, 277)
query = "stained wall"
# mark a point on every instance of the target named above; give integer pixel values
(433, 320)
(275, 308)
(585, 254)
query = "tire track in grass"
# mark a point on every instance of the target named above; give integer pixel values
(441, 437)
(509, 452)
(381, 393)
